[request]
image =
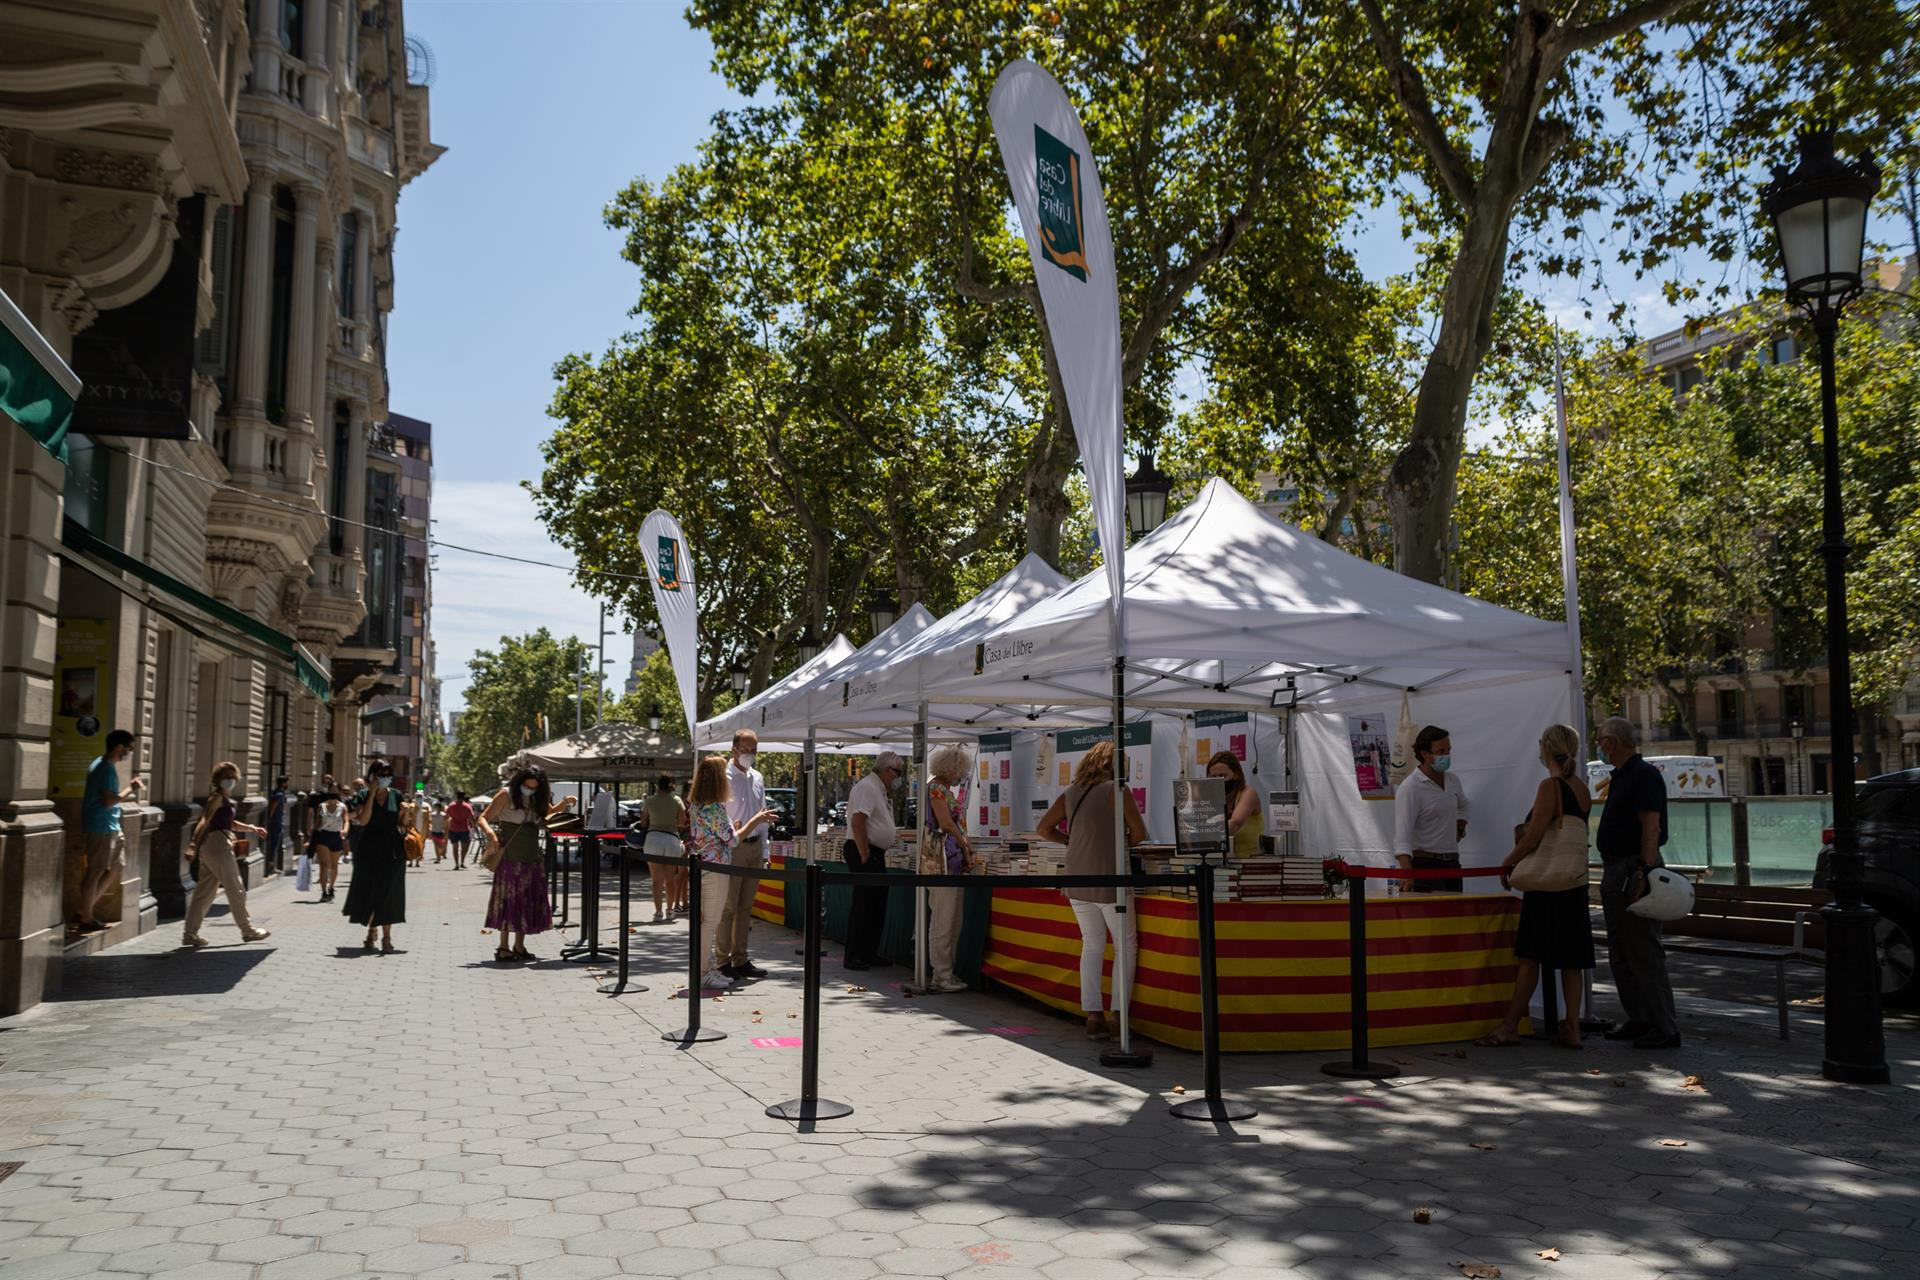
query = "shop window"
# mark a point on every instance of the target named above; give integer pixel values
(349, 263)
(1726, 707)
(281, 309)
(342, 434)
(1766, 776)
(1793, 703)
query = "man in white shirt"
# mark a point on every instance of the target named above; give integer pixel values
(1430, 814)
(747, 798)
(870, 833)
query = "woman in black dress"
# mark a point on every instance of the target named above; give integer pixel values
(377, 894)
(1555, 928)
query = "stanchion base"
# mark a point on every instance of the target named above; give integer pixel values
(804, 1110)
(617, 988)
(1347, 1069)
(1132, 1058)
(704, 1035)
(588, 955)
(1219, 1110)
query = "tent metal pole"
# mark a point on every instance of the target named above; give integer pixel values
(810, 772)
(920, 822)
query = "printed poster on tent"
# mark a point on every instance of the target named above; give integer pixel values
(1217, 731)
(1371, 737)
(993, 786)
(1070, 746)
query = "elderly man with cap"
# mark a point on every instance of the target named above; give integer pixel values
(871, 833)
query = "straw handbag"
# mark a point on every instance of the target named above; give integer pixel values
(1560, 863)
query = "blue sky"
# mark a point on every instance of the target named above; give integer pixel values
(502, 266)
(548, 108)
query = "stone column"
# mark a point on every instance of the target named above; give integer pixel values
(318, 74)
(265, 21)
(363, 283)
(313, 477)
(256, 301)
(32, 837)
(301, 338)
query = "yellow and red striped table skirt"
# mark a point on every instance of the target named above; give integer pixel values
(770, 902)
(1440, 967)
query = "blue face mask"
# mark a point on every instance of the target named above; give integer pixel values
(1442, 763)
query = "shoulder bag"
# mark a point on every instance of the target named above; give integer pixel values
(1560, 862)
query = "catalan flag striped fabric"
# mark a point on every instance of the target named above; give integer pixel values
(1440, 967)
(770, 902)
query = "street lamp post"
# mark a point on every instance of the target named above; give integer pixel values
(653, 718)
(737, 676)
(1147, 490)
(882, 612)
(808, 644)
(1819, 216)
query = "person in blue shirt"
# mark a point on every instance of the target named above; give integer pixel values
(106, 848)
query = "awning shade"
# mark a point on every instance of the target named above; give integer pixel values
(611, 752)
(37, 389)
(306, 669)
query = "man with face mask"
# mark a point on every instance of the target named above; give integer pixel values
(747, 790)
(100, 812)
(870, 833)
(1430, 813)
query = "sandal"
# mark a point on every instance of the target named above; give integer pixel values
(1568, 1036)
(386, 947)
(1497, 1040)
(369, 944)
(521, 953)
(502, 955)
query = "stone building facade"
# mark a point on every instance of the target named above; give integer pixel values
(198, 205)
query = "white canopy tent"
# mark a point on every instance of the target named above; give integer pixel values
(751, 714)
(789, 720)
(611, 752)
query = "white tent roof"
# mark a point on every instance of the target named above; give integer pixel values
(750, 714)
(787, 718)
(611, 752)
(886, 695)
(1228, 607)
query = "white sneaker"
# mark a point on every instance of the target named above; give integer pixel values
(947, 986)
(715, 982)
(256, 935)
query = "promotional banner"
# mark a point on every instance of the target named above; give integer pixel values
(1216, 731)
(993, 797)
(1372, 751)
(1056, 188)
(83, 657)
(666, 550)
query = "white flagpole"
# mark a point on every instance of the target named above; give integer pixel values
(1569, 569)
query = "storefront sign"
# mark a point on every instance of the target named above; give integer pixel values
(137, 360)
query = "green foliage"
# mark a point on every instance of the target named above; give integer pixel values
(521, 693)
(1699, 521)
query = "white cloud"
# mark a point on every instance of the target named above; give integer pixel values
(478, 599)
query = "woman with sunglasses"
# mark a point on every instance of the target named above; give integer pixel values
(377, 894)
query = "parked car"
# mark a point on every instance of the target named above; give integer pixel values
(786, 801)
(1887, 819)
(837, 815)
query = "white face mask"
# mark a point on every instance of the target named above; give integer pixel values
(228, 784)
(747, 758)
(528, 789)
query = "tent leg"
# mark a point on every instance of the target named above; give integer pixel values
(1126, 1055)
(920, 822)
(810, 779)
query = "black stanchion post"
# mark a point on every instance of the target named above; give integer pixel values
(1549, 999)
(810, 1106)
(1357, 1066)
(620, 986)
(588, 948)
(693, 1032)
(1212, 1106)
(566, 882)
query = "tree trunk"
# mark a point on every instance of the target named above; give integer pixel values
(1868, 719)
(1055, 451)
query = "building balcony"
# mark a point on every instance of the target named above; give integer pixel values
(370, 146)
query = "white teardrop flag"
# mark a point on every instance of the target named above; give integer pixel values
(666, 551)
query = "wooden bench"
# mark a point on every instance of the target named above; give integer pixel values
(1771, 924)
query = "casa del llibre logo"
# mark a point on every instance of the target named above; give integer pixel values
(1056, 173)
(669, 566)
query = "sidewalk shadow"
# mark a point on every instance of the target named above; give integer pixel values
(208, 972)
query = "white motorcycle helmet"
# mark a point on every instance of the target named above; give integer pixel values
(1668, 897)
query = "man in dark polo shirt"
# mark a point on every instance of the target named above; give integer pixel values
(1633, 826)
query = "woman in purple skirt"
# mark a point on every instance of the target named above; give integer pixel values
(516, 820)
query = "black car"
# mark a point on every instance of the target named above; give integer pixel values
(785, 802)
(1887, 817)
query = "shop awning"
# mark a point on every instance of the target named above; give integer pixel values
(308, 670)
(37, 389)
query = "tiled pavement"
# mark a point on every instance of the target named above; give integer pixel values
(301, 1111)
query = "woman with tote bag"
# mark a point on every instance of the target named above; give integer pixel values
(1549, 866)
